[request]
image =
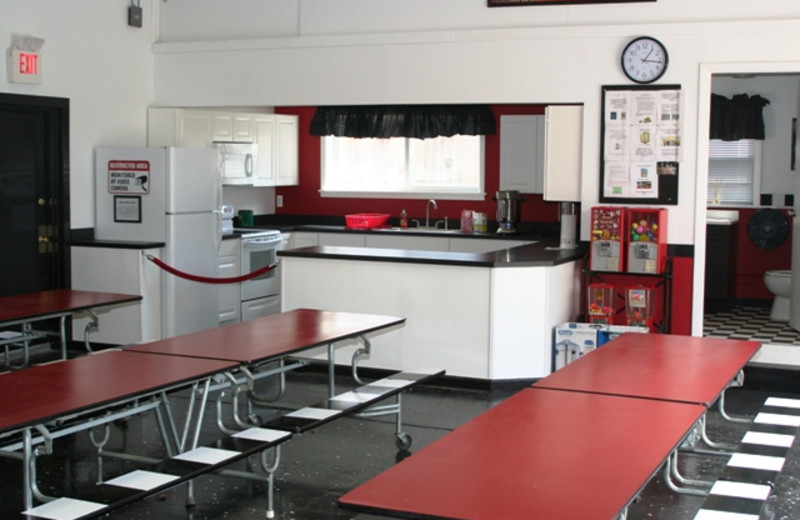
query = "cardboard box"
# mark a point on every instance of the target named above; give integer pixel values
(610, 332)
(573, 340)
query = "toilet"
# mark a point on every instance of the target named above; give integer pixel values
(779, 283)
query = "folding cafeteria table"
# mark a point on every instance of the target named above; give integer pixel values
(667, 367)
(274, 337)
(52, 400)
(539, 454)
(26, 309)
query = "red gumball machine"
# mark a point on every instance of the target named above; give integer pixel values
(608, 237)
(639, 306)
(647, 241)
(600, 303)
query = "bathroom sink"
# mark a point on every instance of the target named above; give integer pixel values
(722, 217)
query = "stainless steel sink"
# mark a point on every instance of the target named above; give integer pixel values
(421, 229)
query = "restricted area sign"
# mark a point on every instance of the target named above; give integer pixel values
(129, 177)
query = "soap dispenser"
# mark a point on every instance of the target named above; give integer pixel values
(403, 219)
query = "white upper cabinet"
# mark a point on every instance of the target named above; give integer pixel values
(562, 152)
(522, 153)
(276, 136)
(286, 161)
(277, 139)
(242, 128)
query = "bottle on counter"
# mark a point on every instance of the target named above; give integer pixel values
(403, 219)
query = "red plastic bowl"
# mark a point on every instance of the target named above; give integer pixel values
(366, 220)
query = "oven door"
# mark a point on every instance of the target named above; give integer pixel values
(257, 253)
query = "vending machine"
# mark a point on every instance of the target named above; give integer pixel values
(639, 306)
(600, 303)
(609, 226)
(647, 241)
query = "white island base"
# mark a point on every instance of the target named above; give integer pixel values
(484, 323)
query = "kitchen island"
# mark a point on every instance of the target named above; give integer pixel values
(484, 316)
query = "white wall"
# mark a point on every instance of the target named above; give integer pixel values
(538, 65)
(103, 67)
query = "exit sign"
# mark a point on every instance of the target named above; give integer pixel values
(24, 67)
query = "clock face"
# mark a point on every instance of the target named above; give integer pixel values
(644, 59)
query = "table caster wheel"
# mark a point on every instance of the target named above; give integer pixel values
(403, 441)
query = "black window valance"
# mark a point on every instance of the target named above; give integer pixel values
(419, 121)
(741, 117)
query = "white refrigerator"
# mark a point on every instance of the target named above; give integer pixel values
(169, 196)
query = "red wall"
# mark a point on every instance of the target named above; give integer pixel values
(749, 263)
(306, 200)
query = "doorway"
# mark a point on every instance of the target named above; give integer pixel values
(34, 193)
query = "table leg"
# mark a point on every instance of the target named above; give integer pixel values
(27, 448)
(331, 371)
(63, 335)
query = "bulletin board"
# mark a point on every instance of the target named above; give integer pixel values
(641, 144)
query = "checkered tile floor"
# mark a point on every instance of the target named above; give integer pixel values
(749, 323)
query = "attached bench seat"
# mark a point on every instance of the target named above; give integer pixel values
(136, 485)
(750, 475)
(349, 402)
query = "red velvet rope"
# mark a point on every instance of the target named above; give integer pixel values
(211, 279)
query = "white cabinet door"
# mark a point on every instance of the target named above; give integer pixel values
(563, 145)
(229, 262)
(222, 126)
(179, 127)
(277, 138)
(264, 137)
(304, 239)
(341, 239)
(286, 159)
(242, 127)
(124, 271)
(521, 153)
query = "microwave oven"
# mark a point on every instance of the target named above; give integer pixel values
(237, 161)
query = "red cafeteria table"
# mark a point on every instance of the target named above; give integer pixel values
(25, 309)
(42, 396)
(274, 337)
(687, 369)
(539, 454)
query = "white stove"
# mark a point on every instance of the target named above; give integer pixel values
(260, 296)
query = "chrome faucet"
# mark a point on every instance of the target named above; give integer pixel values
(428, 212)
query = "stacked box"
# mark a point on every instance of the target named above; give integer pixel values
(573, 340)
(610, 332)
(647, 240)
(609, 232)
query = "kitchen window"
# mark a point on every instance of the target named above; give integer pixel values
(734, 172)
(445, 167)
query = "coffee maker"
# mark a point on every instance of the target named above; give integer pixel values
(508, 202)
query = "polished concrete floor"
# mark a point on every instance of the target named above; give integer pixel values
(321, 465)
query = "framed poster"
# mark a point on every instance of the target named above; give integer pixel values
(640, 144)
(504, 3)
(127, 208)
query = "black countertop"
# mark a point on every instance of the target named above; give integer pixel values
(540, 254)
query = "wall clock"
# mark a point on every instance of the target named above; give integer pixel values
(644, 59)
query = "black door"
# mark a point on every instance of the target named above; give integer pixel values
(34, 194)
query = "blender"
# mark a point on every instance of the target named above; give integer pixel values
(508, 202)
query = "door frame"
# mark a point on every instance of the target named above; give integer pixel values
(706, 73)
(56, 112)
